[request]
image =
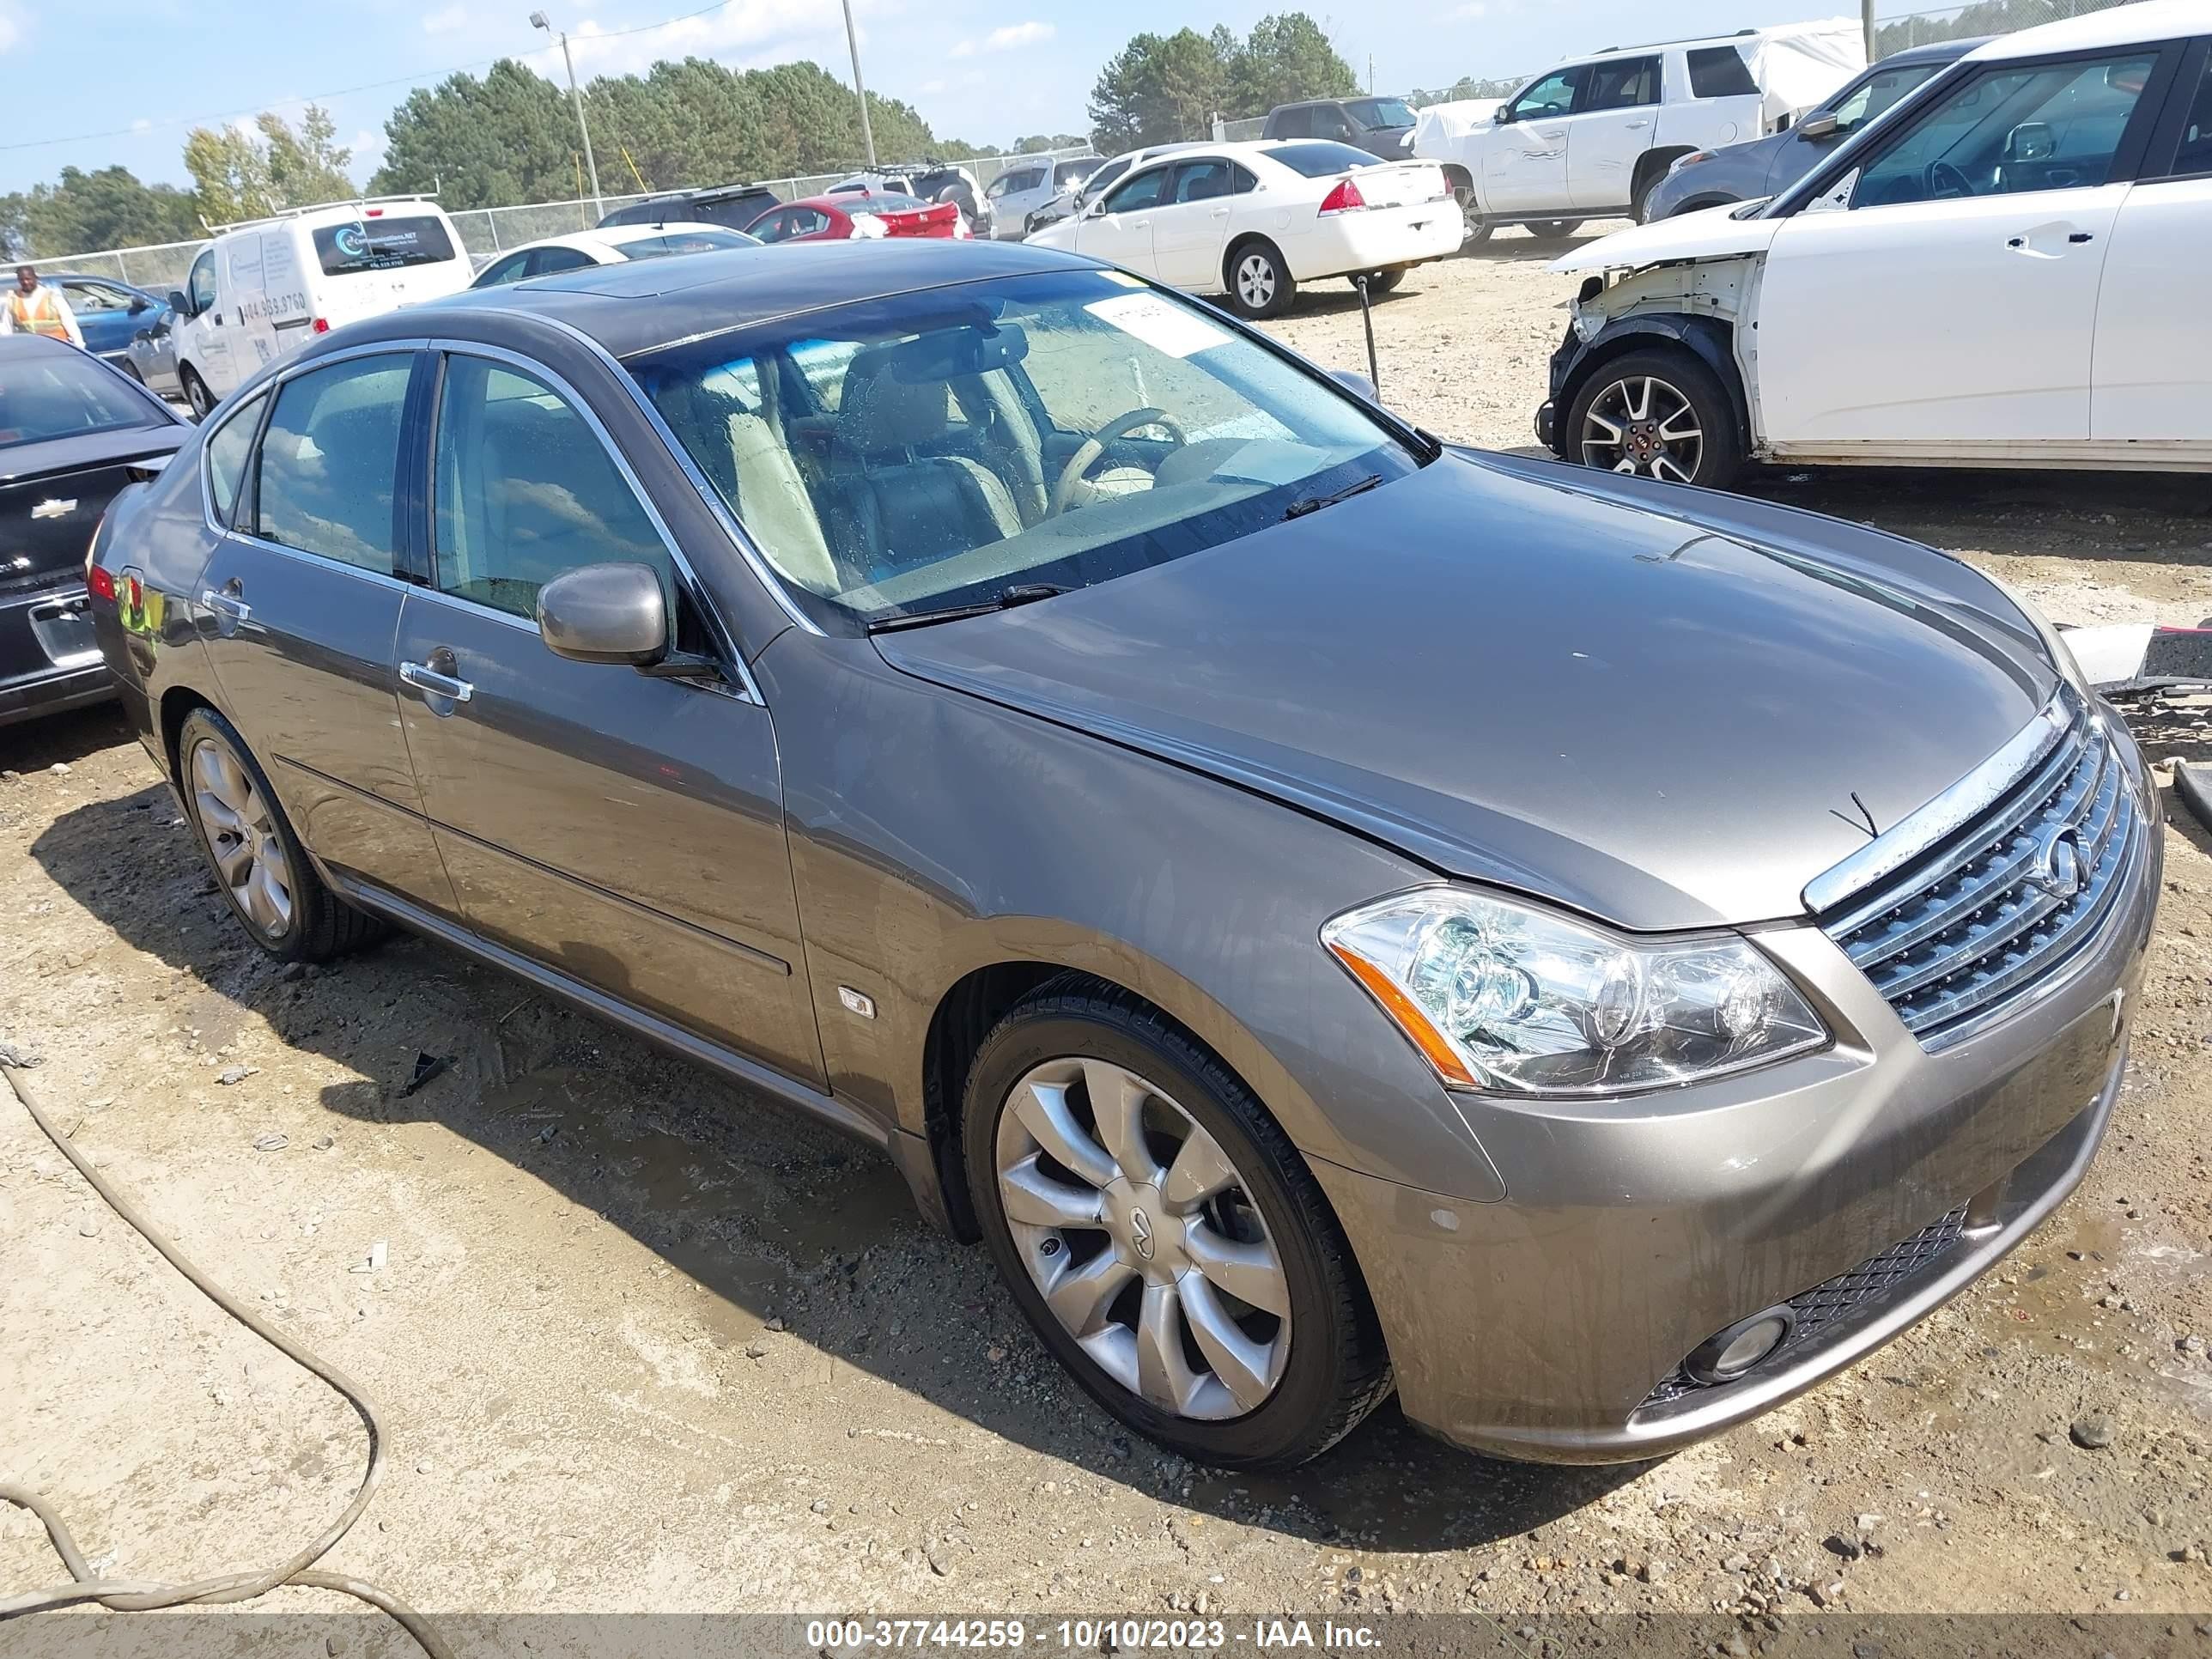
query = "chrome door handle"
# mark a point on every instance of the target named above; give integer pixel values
(227, 605)
(1637, 126)
(425, 679)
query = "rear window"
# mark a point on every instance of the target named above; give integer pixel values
(1720, 72)
(887, 203)
(381, 245)
(683, 241)
(63, 395)
(1318, 159)
(1069, 173)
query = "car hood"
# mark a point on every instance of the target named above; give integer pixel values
(1709, 234)
(1664, 707)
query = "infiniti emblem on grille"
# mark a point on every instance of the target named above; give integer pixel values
(2058, 865)
(1140, 1229)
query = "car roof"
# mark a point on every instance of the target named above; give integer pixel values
(2140, 23)
(613, 236)
(643, 304)
(1936, 51)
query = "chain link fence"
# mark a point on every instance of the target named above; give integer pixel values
(487, 231)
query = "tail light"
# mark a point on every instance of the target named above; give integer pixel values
(322, 325)
(1345, 198)
(99, 582)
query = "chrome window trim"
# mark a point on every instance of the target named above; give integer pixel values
(750, 553)
(569, 394)
(1968, 798)
(206, 438)
(322, 559)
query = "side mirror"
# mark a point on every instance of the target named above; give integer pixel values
(1501, 115)
(1358, 385)
(138, 303)
(181, 302)
(605, 613)
(1820, 124)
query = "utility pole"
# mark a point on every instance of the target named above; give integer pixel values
(1866, 22)
(599, 203)
(868, 133)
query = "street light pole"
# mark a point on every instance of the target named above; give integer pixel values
(599, 203)
(868, 133)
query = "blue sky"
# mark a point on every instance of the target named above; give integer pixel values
(123, 84)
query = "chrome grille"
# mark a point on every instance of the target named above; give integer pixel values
(1952, 940)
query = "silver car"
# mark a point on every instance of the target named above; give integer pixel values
(1330, 911)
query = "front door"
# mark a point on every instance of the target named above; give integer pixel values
(2153, 360)
(202, 338)
(1610, 128)
(1122, 231)
(1524, 156)
(624, 830)
(298, 606)
(1191, 228)
(1953, 303)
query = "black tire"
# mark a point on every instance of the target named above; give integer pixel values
(1336, 1370)
(132, 369)
(195, 393)
(1478, 228)
(1380, 282)
(1272, 291)
(321, 925)
(1554, 230)
(1720, 455)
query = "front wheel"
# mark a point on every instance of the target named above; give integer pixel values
(1554, 230)
(1259, 284)
(1163, 1235)
(1659, 415)
(195, 393)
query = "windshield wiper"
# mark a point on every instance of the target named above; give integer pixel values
(1005, 600)
(1315, 503)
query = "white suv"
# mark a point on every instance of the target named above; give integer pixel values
(1028, 185)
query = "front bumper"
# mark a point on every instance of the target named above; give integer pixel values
(49, 660)
(1552, 1325)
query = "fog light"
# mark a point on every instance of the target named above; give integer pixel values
(1728, 1354)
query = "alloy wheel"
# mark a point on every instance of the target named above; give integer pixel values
(1644, 425)
(1142, 1238)
(1255, 281)
(196, 394)
(241, 835)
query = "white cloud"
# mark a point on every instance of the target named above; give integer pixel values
(928, 88)
(142, 124)
(962, 49)
(368, 148)
(445, 20)
(768, 30)
(1473, 8)
(11, 26)
(1017, 34)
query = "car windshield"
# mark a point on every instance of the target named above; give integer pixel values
(1318, 159)
(65, 395)
(933, 449)
(1381, 112)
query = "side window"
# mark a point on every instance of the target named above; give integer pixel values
(1328, 122)
(2007, 131)
(1619, 83)
(1720, 72)
(1200, 181)
(331, 458)
(1552, 95)
(1877, 93)
(525, 491)
(84, 297)
(201, 284)
(1103, 180)
(808, 222)
(1293, 122)
(2195, 155)
(226, 452)
(502, 271)
(547, 260)
(1241, 181)
(1138, 192)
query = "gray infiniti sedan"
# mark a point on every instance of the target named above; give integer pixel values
(1331, 912)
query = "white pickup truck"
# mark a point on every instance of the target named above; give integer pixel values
(1587, 139)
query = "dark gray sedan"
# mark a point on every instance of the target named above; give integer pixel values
(1767, 167)
(1330, 911)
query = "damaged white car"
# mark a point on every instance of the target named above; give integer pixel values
(2007, 269)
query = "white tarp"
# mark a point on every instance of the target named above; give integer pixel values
(1798, 66)
(1439, 128)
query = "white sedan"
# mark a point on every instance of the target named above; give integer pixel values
(610, 247)
(1253, 221)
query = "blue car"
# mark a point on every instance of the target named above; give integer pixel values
(109, 312)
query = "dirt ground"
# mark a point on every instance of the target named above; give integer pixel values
(646, 1344)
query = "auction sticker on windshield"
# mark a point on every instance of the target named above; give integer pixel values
(1164, 328)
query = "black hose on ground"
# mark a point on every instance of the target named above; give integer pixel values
(135, 1595)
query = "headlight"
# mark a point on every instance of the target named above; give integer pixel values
(1503, 996)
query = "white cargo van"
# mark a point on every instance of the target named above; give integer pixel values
(261, 290)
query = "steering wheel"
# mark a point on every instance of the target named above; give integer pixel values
(1946, 182)
(1094, 448)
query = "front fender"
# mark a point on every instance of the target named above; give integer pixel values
(1576, 360)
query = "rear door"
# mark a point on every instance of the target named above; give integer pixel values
(300, 603)
(1524, 156)
(2153, 376)
(1616, 112)
(1991, 212)
(622, 829)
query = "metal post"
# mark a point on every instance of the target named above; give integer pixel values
(599, 206)
(868, 133)
(1866, 22)
(1367, 321)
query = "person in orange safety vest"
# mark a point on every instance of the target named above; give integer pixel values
(31, 307)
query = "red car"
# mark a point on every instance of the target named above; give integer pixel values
(837, 218)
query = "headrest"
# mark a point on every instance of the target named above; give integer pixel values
(883, 409)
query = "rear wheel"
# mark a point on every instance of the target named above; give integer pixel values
(132, 369)
(1660, 414)
(1163, 1235)
(1259, 284)
(195, 393)
(259, 863)
(1379, 283)
(1554, 230)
